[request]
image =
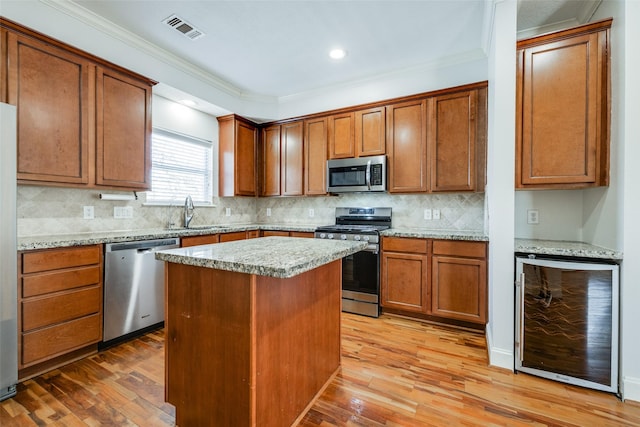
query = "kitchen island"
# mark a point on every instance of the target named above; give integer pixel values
(252, 328)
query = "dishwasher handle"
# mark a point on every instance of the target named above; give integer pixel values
(143, 246)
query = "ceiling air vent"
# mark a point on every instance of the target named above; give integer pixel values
(183, 27)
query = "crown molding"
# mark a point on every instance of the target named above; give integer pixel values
(112, 30)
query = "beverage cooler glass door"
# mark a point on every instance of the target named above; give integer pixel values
(567, 322)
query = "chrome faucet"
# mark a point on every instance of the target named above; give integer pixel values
(188, 211)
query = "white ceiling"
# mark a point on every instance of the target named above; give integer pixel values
(280, 48)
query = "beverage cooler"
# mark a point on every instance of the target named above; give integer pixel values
(567, 321)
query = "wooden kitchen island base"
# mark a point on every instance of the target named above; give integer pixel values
(249, 350)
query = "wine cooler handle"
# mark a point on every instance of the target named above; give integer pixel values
(521, 331)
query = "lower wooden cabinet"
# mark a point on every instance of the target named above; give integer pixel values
(60, 306)
(459, 280)
(436, 279)
(405, 279)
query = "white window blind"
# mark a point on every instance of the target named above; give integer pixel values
(181, 166)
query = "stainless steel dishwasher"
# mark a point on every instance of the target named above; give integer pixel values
(133, 287)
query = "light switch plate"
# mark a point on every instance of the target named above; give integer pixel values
(436, 214)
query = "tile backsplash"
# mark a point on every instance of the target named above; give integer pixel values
(52, 210)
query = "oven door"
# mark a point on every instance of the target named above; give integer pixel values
(361, 282)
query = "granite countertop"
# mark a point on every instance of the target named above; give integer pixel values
(423, 233)
(565, 248)
(281, 257)
(92, 238)
(26, 243)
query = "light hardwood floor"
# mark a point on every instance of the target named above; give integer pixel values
(395, 372)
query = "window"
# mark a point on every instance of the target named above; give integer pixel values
(181, 166)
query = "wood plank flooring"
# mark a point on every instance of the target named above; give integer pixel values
(395, 372)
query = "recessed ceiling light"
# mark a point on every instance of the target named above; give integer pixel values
(337, 53)
(188, 102)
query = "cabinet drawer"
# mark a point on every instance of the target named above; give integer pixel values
(307, 234)
(45, 283)
(461, 249)
(267, 233)
(200, 240)
(401, 244)
(53, 259)
(50, 342)
(229, 237)
(39, 312)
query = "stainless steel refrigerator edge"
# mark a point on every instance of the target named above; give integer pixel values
(8, 254)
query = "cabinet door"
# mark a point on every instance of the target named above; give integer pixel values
(292, 159)
(561, 103)
(459, 288)
(341, 136)
(452, 142)
(406, 145)
(51, 89)
(245, 159)
(271, 161)
(315, 157)
(404, 282)
(370, 131)
(123, 131)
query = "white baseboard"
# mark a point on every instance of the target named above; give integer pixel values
(631, 388)
(499, 356)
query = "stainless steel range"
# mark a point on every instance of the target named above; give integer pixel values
(360, 271)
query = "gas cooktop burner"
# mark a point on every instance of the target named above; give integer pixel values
(346, 228)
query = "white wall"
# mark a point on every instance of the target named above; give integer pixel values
(559, 214)
(501, 182)
(630, 293)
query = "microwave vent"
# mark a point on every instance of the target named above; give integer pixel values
(185, 28)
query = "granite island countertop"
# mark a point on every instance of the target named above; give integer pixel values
(281, 257)
(565, 248)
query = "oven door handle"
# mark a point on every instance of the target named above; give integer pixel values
(372, 247)
(368, 175)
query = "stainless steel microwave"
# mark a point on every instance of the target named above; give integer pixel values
(361, 174)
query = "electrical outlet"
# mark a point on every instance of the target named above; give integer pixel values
(123, 212)
(532, 216)
(88, 212)
(268, 211)
(311, 213)
(436, 214)
(427, 214)
(227, 211)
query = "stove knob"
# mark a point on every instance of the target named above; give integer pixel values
(365, 238)
(356, 237)
(330, 236)
(343, 236)
(322, 235)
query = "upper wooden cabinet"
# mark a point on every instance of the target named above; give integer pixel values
(357, 134)
(270, 155)
(370, 129)
(123, 140)
(315, 156)
(407, 147)
(456, 139)
(562, 126)
(51, 89)
(238, 144)
(81, 121)
(282, 157)
(291, 158)
(341, 136)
